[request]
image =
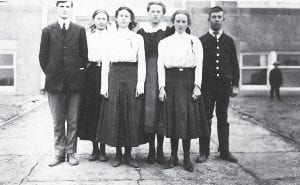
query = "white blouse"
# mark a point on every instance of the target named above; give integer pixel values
(124, 46)
(180, 51)
(97, 43)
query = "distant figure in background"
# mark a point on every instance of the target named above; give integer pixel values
(276, 81)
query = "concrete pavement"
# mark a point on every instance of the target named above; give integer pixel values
(26, 146)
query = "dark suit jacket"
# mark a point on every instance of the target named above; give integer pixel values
(220, 64)
(63, 59)
(275, 77)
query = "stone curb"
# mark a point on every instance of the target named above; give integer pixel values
(255, 121)
(22, 114)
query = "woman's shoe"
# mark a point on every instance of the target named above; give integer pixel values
(103, 157)
(172, 162)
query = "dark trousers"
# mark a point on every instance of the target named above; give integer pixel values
(64, 106)
(276, 90)
(219, 100)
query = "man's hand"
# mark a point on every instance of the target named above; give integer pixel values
(235, 91)
(162, 94)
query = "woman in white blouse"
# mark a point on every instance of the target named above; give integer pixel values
(91, 98)
(123, 78)
(179, 76)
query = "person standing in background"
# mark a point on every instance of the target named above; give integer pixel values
(63, 58)
(220, 81)
(276, 81)
(97, 40)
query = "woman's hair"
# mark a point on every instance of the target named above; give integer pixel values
(96, 12)
(132, 23)
(159, 3)
(181, 12)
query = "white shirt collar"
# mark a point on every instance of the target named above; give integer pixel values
(62, 21)
(210, 31)
(150, 29)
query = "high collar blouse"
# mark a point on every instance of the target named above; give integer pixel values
(180, 51)
(124, 46)
(97, 42)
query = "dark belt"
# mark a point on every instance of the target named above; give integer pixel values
(181, 69)
(123, 64)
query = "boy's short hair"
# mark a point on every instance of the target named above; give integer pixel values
(63, 1)
(215, 9)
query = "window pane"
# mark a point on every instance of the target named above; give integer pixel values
(6, 60)
(7, 77)
(289, 59)
(255, 60)
(291, 77)
(254, 76)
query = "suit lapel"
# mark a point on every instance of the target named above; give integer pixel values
(70, 32)
(58, 32)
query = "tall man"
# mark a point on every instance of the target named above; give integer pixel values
(220, 81)
(63, 58)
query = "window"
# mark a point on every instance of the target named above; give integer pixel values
(7, 69)
(290, 67)
(254, 68)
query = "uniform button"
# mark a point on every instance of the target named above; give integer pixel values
(218, 75)
(217, 61)
(218, 54)
(217, 40)
(218, 47)
(217, 68)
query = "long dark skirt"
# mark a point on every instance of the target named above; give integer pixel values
(122, 114)
(90, 104)
(180, 115)
(151, 96)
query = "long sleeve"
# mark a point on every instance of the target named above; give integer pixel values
(83, 48)
(199, 62)
(160, 65)
(104, 72)
(141, 65)
(44, 50)
(236, 68)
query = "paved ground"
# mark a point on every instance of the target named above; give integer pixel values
(264, 158)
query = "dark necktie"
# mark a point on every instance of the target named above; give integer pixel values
(216, 34)
(64, 29)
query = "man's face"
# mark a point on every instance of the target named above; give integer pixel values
(155, 13)
(216, 20)
(64, 10)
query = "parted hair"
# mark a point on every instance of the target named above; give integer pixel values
(181, 12)
(132, 24)
(63, 1)
(215, 9)
(96, 12)
(157, 3)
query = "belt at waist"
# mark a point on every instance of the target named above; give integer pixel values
(181, 69)
(123, 64)
(94, 63)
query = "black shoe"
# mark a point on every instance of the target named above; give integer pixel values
(160, 158)
(117, 161)
(173, 161)
(151, 157)
(103, 157)
(188, 165)
(94, 156)
(228, 157)
(130, 161)
(57, 160)
(201, 158)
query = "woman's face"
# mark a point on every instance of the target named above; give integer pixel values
(101, 21)
(155, 13)
(123, 18)
(180, 23)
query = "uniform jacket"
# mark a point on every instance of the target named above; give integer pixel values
(63, 59)
(220, 64)
(276, 77)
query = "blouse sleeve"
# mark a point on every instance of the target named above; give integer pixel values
(199, 62)
(160, 65)
(104, 71)
(141, 65)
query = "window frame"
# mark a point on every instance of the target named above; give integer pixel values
(6, 88)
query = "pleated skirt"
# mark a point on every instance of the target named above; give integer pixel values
(180, 115)
(151, 96)
(90, 104)
(121, 119)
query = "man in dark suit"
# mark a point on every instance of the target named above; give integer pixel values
(275, 80)
(220, 81)
(63, 58)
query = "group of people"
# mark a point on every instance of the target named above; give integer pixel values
(123, 88)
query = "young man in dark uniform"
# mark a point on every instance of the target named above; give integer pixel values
(63, 58)
(220, 81)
